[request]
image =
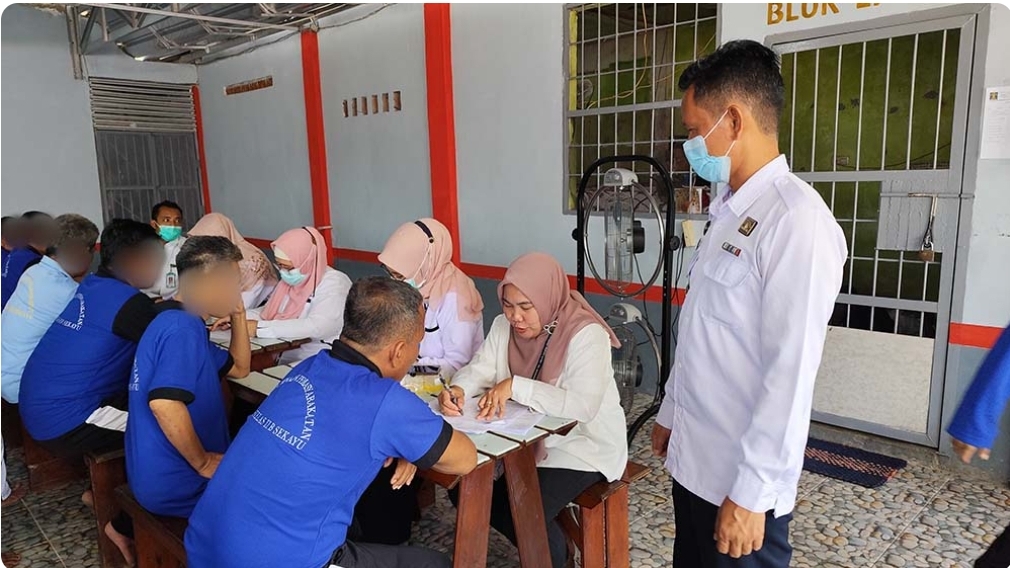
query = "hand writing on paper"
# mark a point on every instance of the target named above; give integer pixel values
(738, 531)
(493, 401)
(404, 473)
(446, 401)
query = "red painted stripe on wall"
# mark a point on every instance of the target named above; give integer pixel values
(201, 154)
(312, 87)
(441, 120)
(971, 335)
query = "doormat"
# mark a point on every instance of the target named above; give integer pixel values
(853, 465)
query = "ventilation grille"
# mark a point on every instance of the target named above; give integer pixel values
(140, 105)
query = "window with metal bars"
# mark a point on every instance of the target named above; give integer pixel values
(622, 97)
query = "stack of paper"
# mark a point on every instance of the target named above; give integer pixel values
(518, 419)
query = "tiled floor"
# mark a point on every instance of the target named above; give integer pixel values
(926, 517)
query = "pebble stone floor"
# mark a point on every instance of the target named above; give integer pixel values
(925, 517)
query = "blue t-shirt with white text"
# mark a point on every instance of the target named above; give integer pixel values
(85, 357)
(285, 491)
(175, 361)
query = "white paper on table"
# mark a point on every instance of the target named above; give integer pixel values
(220, 336)
(518, 419)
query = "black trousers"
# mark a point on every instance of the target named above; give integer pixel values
(89, 437)
(358, 555)
(998, 555)
(695, 546)
(384, 515)
(558, 487)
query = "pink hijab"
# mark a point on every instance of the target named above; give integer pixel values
(306, 249)
(412, 253)
(541, 279)
(254, 265)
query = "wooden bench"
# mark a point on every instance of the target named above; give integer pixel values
(599, 523)
(45, 470)
(158, 540)
(107, 472)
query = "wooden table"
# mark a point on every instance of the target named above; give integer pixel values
(473, 513)
(266, 351)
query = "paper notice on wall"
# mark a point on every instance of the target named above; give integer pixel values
(996, 125)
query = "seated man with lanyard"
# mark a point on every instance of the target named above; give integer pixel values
(285, 491)
(177, 428)
(38, 232)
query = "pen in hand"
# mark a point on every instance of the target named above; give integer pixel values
(452, 396)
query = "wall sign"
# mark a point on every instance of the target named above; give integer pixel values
(779, 12)
(254, 85)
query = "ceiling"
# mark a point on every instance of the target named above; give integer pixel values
(189, 33)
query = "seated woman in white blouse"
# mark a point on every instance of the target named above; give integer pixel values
(420, 253)
(309, 299)
(550, 351)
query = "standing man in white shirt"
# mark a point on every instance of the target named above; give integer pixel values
(733, 425)
(166, 218)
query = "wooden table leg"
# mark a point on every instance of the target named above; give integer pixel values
(618, 542)
(527, 508)
(473, 518)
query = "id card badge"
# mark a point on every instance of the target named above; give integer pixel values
(171, 279)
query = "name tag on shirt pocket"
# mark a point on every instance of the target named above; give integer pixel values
(728, 268)
(722, 303)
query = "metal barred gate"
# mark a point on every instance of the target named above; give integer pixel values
(876, 122)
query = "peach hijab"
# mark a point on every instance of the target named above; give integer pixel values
(254, 265)
(541, 279)
(422, 250)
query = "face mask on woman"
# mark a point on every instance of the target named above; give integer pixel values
(292, 277)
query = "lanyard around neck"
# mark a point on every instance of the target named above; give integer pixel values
(543, 351)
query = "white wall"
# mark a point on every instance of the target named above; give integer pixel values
(379, 173)
(48, 144)
(987, 290)
(509, 99)
(256, 145)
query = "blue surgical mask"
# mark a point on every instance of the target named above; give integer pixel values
(715, 169)
(412, 283)
(292, 277)
(168, 233)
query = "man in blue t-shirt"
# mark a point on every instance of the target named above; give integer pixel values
(285, 491)
(177, 429)
(39, 232)
(73, 388)
(41, 294)
(973, 429)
